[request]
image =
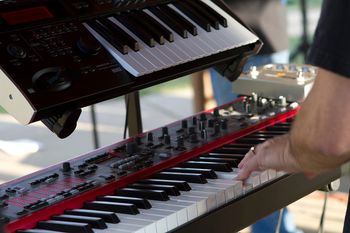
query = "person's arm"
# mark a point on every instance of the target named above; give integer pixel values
(320, 136)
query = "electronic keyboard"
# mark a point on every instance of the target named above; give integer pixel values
(177, 178)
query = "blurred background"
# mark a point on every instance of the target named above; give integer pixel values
(26, 149)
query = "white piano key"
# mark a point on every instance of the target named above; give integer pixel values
(234, 30)
(214, 41)
(191, 208)
(228, 189)
(264, 176)
(219, 193)
(160, 221)
(272, 174)
(201, 202)
(189, 44)
(181, 212)
(210, 198)
(247, 188)
(125, 227)
(127, 62)
(149, 226)
(171, 217)
(281, 173)
(116, 231)
(237, 185)
(253, 179)
(152, 55)
(161, 52)
(204, 41)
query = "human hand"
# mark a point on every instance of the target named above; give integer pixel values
(272, 154)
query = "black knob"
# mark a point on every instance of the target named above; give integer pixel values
(184, 124)
(66, 167)
(150, 137)
(131, 147)
(223, 123)
(52, 79)
(165, 131)
(88, 46)
(216, 112)
(16, 51)
(211, 123)
(180, 142)
(202, 117)
(202, 125)
(167, 139)
(194, 120)
(204, 134)
(217, 128)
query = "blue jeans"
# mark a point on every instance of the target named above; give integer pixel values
(223, 94)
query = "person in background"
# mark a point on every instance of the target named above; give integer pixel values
(320, 137)
(267, 18)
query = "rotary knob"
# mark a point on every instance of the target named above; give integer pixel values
(52, 79)
(16, 51)
(88, 46)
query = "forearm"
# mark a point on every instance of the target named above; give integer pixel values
(320, 137)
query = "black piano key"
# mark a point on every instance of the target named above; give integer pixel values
(108, 216)
(272, 133)
(124, 208)
(170, 22)
(37, 231)
(140, 203)
(180, 184)
(171, 190)
(95, 222)
(143, 23)
(211, 11)
(193, 15)
(118, 32)
(140, 32)
(208, 173)
(224, 155)
(190, 27)
(106, 34)
(158, 195)
(154, 24)
(62, 226)
(189, 177)
(232, 161)
(240, 145)
(278, 128)
(214, 22)
(222, 167)
(251, 140)
(260, 135)
(231, 150)
(287, 124)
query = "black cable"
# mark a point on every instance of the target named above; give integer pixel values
(94, 127)
(126, 123)
(320, 228)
